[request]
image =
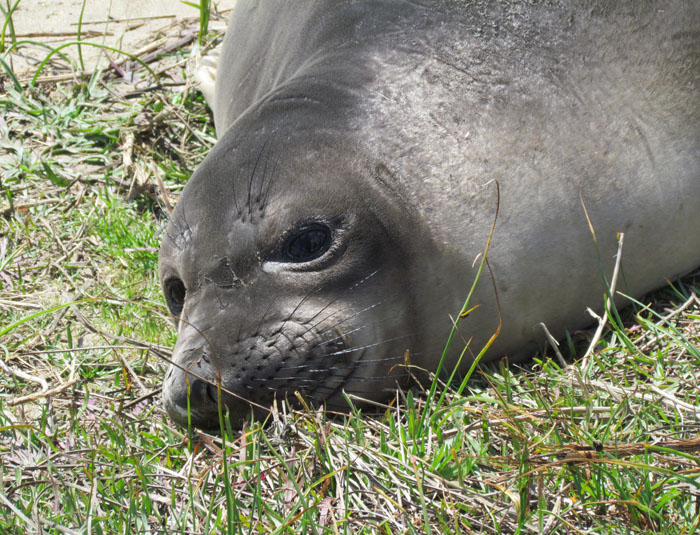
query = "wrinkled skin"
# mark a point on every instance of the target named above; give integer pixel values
(333, 230)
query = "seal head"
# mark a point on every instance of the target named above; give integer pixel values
(286, 280)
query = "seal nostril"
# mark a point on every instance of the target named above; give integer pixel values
(213, 394)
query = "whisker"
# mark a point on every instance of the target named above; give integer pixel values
(342, 294)
(251, 177)
(183, 231)
(366, 346)
(351, 317)
(263, 199)
(262, 319)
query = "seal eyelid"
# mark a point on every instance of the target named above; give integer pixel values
(308, 243)
(175, 294)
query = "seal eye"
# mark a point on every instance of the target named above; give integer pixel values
(175, 293)
(309, 243)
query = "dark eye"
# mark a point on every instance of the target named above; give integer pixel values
(175, 293)
(309, 243)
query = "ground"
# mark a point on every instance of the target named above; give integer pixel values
(129, 24)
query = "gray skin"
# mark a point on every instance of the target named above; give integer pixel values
(373, 134)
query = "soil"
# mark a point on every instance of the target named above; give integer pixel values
(127, 25)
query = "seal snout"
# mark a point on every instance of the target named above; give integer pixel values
(190, 385)
(202, 398)
(277, 361)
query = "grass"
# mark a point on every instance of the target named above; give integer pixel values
(605, 444)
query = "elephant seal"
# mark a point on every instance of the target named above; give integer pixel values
(333, 229)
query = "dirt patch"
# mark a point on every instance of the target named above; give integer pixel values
(128, 25)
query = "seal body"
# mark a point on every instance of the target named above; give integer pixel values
(332, 233)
